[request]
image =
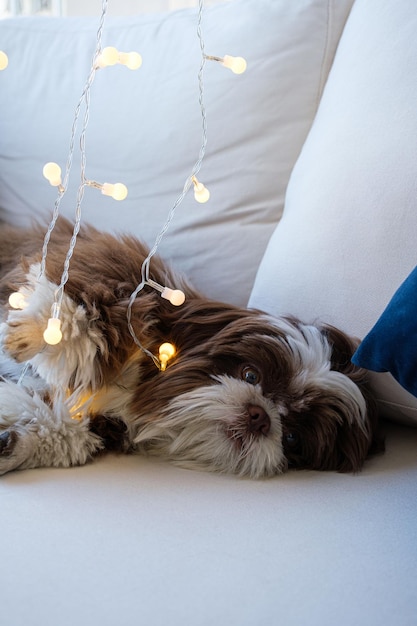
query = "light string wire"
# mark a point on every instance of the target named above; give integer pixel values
(85, 97)
(145, 270)
(63, 187)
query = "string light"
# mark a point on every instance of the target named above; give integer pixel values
(132, 60)
(166, 352)
(4, 60)
(117, 191)
(145, 270)
(175, 296)
(17, 300)
(111, 56)
(52, 173)
(53, 334)
(201, 193)
(236, 64)
(108, 56)
(105, 57)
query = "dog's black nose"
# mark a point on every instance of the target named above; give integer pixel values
(258, 420)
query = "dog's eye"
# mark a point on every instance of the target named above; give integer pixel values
(250, 375)
(291, 439)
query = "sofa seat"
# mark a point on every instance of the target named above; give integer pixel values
(129, 540)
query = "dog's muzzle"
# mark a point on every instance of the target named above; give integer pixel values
(258, 420)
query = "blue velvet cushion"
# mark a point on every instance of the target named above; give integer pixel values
(391, 345)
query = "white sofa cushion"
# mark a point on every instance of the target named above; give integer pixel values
(145, 126)
(132, 541)
(348, 236)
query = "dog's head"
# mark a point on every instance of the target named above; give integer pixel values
(254, 395)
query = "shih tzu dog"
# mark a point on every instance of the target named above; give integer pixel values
(245, 393)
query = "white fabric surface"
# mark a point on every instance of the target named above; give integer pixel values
(145, 126)
(348, 236)
(131, 541)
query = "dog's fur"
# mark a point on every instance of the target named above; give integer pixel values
(246, 393)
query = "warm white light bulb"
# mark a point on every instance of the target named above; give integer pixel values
(53, 334)
(112, 56)
(132, 60)
(201, 193)
(4, 60)
(108, 56)
(17, 300)
(236, 64)
(118, 191)
(52, 173)
(175, 296)
(166, 352)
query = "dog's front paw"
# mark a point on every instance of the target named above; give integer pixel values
(22, 337)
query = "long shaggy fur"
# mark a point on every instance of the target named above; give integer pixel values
(246, 393)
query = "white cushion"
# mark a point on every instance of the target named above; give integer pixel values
(145, 126)
(348, 236)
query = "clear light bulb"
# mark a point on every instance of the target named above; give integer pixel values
(52, 173)
(53, 334)
(175, 296)
(236, 64)
(132, 60)
(118, 191)
(17, 300)
(4, 60)
(166, 352)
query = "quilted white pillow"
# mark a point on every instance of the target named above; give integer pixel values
(145, 126)
(348, 237)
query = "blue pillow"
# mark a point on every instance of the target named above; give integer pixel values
(391, 345)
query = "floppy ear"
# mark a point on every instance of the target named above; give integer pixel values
(343, 348)
(332, 432)
(354, 444)
(350, 436)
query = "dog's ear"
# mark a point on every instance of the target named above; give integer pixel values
(354, 443)
(334, 432)
(352, 440)
(342, 347)
(330, 433)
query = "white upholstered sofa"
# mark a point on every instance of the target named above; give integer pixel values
(321, 130)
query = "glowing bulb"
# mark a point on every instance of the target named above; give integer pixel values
(52, 173)
(175, 296)
(236, 64)
(111, 56)
(201, 193)
(17, 300)
(132, 60)
(53, 334)
(108, 56)
(4, 60)
(166, 352)
(118, 191)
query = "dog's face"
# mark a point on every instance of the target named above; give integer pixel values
(254, 396)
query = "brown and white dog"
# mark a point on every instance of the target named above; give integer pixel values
(246, 393)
